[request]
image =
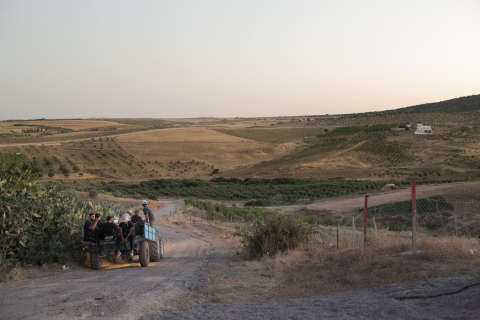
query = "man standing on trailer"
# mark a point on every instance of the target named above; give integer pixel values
(148, 212)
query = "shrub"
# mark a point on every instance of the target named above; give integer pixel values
(258, 203)
(117, 194)
(92, 193)
(273, 233)
(39, 223)
(65, 170)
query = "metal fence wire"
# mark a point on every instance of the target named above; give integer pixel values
(435, 216)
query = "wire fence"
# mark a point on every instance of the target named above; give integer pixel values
(435, 216)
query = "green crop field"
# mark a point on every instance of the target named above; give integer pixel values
(273, 135)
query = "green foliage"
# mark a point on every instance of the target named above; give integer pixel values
(266, 232)
(117, 194)
(65, 170)
(215, 171)
(257, 203)
(276, 191)
(38, 223)
(277, 135)
(93, 193)
(274, 233)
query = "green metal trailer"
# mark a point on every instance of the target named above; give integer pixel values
(149, 248)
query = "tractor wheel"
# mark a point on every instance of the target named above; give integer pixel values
(161, 249)
(154, 250)
(144, 253)
(95, 262)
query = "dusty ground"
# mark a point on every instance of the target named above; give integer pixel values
(375, 303)
(223, 151)
(117, 291)
(200, 277)
(338, 205)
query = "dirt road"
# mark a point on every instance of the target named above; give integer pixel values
(83, 139)
(169, 289)
(117, 291)
(338, 205)
(374, 303)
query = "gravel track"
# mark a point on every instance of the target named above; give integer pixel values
(117, 291)
(168, 290)
(374, 303)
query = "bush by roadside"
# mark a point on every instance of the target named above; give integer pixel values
(273, 233)
(38, 224)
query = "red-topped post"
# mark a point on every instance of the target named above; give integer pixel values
(365, 221)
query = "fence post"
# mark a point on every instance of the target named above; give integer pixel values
(338, 226)
(365, 221)
(414, 217)
(456, 230)
(353, 231)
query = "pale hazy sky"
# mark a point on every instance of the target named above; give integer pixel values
(69, 59)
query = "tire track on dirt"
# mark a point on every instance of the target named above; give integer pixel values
(121, 291)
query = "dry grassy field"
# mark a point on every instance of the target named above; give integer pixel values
(318, 268)
(17, 126)
(303, 147)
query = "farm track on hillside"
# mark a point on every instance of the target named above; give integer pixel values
(82, 139)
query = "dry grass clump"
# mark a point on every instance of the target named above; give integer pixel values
(315, 269)
(450, 249)
(379, 264)
(14, 275)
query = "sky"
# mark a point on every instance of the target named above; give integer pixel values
(183, 59)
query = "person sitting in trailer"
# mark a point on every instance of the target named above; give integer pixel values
(126, 233)
(139, 223)
(110, 229)
(99, 228)
(89, 233)
(135, 218)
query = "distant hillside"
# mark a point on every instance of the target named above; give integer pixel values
(469, 103)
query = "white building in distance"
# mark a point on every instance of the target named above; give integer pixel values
(421, 129)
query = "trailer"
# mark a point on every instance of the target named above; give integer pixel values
(149, 248)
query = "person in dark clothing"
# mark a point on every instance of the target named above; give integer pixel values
(109, 228)
(89, 233)
(126, 229)
(99, 233)
(148, 212)
(135, 218)
(139, 223)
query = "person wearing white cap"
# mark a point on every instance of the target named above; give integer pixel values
(148, 213)
(126, 230)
